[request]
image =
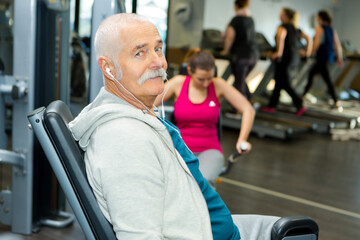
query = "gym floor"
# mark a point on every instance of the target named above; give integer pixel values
(310, 175)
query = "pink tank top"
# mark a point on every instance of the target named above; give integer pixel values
(198, 122)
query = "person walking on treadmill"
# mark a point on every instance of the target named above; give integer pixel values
(240, 43)
(286, 57)
(325, 40)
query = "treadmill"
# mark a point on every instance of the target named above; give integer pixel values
(318, 118)
(263, 126)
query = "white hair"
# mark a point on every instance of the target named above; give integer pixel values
(108, 40)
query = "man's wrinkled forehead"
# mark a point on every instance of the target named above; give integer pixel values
(136, 35)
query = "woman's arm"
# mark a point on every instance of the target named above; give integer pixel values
(238, 101)
(173, 86)
(229, 40)
(338, 48)
(280, 42)
(319, 31)
(308, 43)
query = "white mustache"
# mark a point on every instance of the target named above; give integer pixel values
(152, 74)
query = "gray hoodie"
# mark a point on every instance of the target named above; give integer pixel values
(141, 183)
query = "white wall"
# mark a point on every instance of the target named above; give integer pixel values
(185, 34)
(218, 13)
(346, 13)
(348, 20)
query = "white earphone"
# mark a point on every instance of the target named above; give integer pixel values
(108, 72)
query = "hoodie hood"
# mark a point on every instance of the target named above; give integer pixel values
(104, 108)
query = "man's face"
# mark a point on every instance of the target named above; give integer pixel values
(141, 52)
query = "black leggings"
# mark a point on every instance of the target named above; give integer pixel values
(282, 81)
(322, 68)
(241, 68)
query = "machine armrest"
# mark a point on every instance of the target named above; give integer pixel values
(290, 227)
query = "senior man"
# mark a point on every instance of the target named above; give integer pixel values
(146, 181)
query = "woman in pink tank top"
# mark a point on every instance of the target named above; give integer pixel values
(197, 122)
(197, 108)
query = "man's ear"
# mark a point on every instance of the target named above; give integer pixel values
(106, 63)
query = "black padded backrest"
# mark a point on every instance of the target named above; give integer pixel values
(56, 119)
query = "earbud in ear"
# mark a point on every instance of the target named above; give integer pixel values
(108, 72)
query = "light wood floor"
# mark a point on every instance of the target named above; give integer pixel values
(311, 175)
